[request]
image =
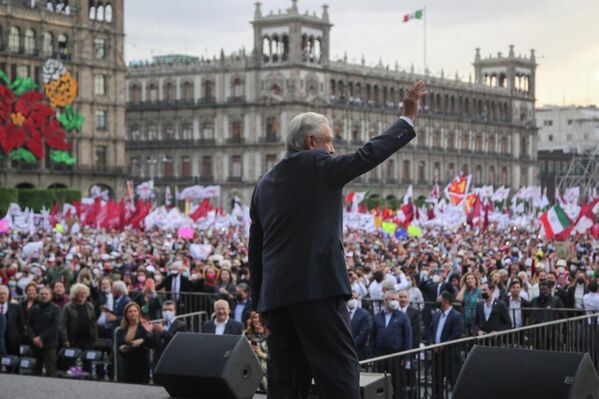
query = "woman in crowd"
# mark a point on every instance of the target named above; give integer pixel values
(225, 286)
(414, 293)
(58, 295)
(256, 333)
(469, 295)
(29, 300)
(149, 301)
(131, 341)
(210, 279)
(79, 328)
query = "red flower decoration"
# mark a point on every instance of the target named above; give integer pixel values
(28, 121)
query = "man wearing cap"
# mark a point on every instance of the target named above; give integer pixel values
(298, 271)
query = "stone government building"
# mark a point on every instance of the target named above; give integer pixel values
(223, 120)
(88, 36)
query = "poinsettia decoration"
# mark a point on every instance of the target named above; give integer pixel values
(28, 123)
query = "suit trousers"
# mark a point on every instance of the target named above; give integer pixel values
(312, 340)
(45, 357)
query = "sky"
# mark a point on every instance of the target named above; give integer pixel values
(563, 33)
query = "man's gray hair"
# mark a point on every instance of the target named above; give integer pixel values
(121, 287)
(301, 126)
(388, 294)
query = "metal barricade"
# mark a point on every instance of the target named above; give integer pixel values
(193, 321)
(431, 371)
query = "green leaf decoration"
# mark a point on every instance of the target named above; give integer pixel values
(22, 85)
(62, 157)
(21, 154)
(71, 120)
(4, 78)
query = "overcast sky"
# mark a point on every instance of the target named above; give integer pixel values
(564, 33)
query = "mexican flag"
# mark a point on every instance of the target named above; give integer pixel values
(415, 15)
(555, 221)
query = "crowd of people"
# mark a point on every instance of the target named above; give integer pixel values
(74, 290)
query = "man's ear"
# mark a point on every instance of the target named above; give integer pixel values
(309, 140)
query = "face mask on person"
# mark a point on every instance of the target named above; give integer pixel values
(485, 295)
(186, 274)
(580, 280)
(210, 275)
(168, 315)
(240, 297)
(352, 304)
(12, 283)
(393, 305)
(141, 278)
(436, 279)
(544, 295)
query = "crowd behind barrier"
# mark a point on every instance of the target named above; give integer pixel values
(72, 303)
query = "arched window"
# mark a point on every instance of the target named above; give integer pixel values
(187, 91)
(208, 90)
(100, 12)
(237, 88)
(272, 127)
(47, 44)
(135, 93)
(169, 92)
(275, 89)
(14, 40)
(29, 42)
(63, 50)
(135, 167)
(108, 13)
(168, 169)
(92, 11)
(152, 93)
(187, 131)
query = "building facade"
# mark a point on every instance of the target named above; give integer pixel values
(224, 120)
(88, 37)
(564, 132)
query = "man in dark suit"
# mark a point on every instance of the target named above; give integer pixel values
(162, 333)
(517, 305)
(414, 316)
(298, 272)
(242, 305)
(120, 293)
(360, 326)
(431, 289)
(391, 333)
(42, 330)
(222, 324)
(14, 323)
(491, 315)
(446, 326)
(175, 283)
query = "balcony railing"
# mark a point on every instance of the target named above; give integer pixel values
(236, 140)
(270, 139)
(236, 99)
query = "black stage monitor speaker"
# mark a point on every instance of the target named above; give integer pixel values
(209, 366)
(500, 373)
(372, 386)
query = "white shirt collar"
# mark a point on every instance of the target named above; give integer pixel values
(219, 323)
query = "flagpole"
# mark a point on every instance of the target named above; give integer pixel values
(424, 24)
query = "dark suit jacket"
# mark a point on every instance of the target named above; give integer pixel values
(452, 329)
(184, 285)
(499, 319)
(15, 329)
(568, 296)
(231, 328)
(360, 329)
(247, 310)
(161, 339)
(295, 247)
(415, 320)
(396, 337)
(119, 308)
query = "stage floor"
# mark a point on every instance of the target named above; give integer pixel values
(14, 386)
